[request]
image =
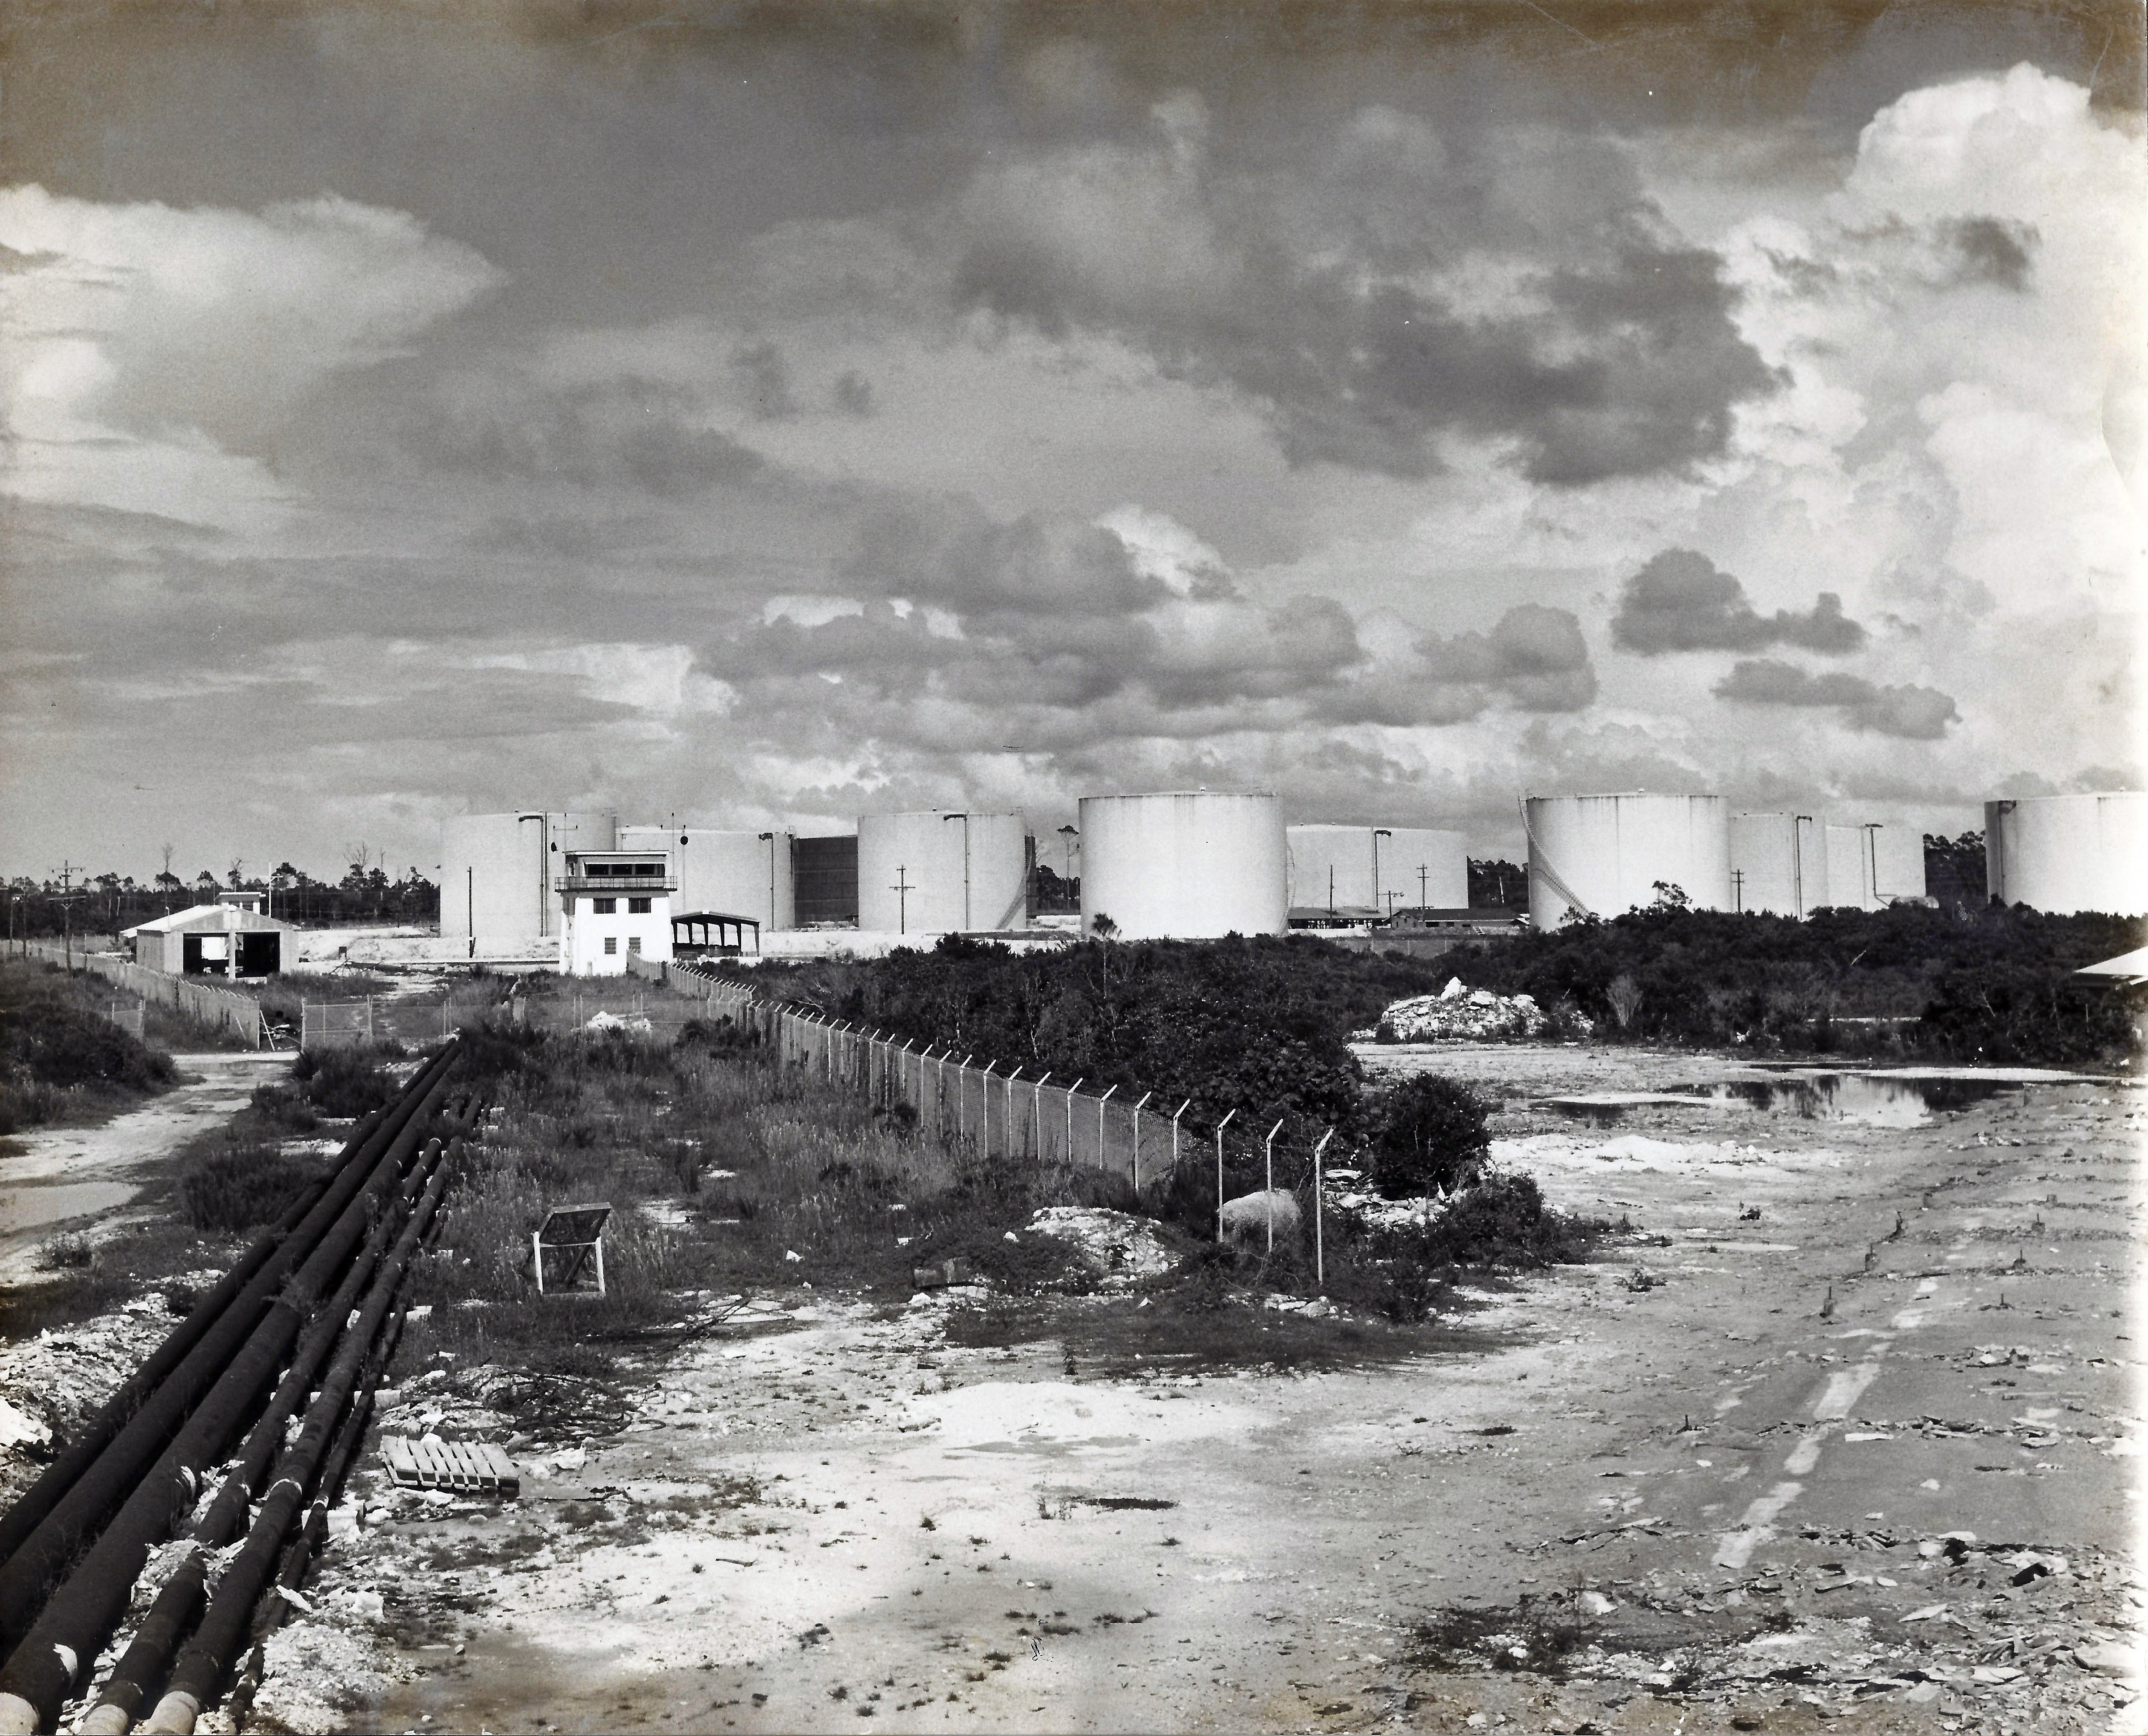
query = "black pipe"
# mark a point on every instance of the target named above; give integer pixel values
(64, 1641)
(30, 1508)
(201, 1667)
(179, 1599)
(274, 1608)
(78, 1513)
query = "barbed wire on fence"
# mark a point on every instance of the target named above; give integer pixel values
(982, 1110)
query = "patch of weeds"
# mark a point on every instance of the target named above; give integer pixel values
(1536, 1635)
(69, 1250)
(239, 1182)
(346, 1082)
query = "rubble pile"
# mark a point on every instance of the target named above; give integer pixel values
(1458, 1012)
(1117, 1248)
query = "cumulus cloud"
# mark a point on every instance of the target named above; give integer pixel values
(647, 435)
(1535, 659)
(1916, 714)
(152, 352)
(1401, 288)
(1680, 601)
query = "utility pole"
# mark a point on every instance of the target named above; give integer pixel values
(1738, 890)
(901, 890)
(67, 872)
(1423, 897)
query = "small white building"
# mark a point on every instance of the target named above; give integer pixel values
(615, 905)
(231, 937)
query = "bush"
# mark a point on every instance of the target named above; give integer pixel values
(239, 1185)
(1500, 1220)
(1429, 1138)
(344, 1082)
(58, 1053)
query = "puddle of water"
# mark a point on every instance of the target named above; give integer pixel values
(33, 1208)
(1873, 1100)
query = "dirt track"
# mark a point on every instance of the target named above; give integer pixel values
(70, 1178)
(1719, 1498)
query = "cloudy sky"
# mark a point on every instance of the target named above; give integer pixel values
(763, 415)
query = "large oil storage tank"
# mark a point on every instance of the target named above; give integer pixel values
(1603, 854)
(942, 871)
(1191, 866)
(1777, 864)
(1378, 868)
(496, 874)
(2067, 853)
(725, 873)
(1869, 867)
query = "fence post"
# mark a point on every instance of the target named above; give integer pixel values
(1145, 1096)
(1069, 1148)
(1319, 1252)
(1007, 1114)
(985, 1111)
(1220, 1127)
(1101, 1103)
(1182, 1108)
(1268, 1180)
(1036, 1114)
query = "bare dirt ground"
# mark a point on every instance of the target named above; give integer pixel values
(73, 1179)
(1841, 1434)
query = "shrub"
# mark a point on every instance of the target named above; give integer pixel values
(344, 1082)
(283, 1105)
(1430, 1138)
(238, 1185)
(1500, 1220)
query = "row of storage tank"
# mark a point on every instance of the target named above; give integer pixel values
(1202, 864)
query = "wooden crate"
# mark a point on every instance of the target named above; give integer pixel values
(474, 1468)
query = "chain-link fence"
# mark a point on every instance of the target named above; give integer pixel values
(225, 1008)
(1002, 1113)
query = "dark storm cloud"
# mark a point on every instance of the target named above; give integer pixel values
(1680, 601)
(766, 378)
(1991, 250)
(1535, 658)
(1609, 352)
(1916, 714)
(638, 433)
(954, 555)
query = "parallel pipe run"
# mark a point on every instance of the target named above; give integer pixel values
(201, 1667)
(44, 1668)
(142, 1667)
(75, 1517)
(36, 1502)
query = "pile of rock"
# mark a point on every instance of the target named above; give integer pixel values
(1460, 1012)
(1117, 1247)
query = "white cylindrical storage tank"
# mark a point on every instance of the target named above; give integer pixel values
(1184, 866)
(1334, 866)
(1777, 864)
(1898, 863)
(496, 874)
(944, 871)
(2062, 854)
(724, 873)
(1852, 853)
(1605, 854)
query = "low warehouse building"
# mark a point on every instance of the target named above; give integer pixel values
(229, 938)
